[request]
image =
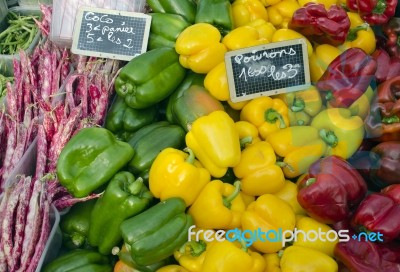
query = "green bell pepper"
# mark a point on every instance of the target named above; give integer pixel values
(217, 13)
(191, 78)
(156, 233)
(90, 159)
(74, 225)
(80, 260)
(150, 77)
(123, 120)
(185, 8)
(124, 197)
(150, 140)
(194, 103)
(165, 29)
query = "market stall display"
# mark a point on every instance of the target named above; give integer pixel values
(154, 164)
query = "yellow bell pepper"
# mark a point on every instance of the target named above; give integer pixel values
(327, 3)
(199, 47)
(237, 105)
(247, 130)
(285, 34)
(320, 59)
(362, 105)
(226, 256)
(215, 142)
(216, 82)
(218, 206)
(267, 3)
(247, 199)
(360, 35)
(257, 170)
(299, 259)
(172, 268)
(191, 254)
(280, 14)
(342, 132)
(303, 105)
(289, 193)
(299, 146)
(272, 262)
(267, 114)
(324, 242)
(243, 36)
(175, 173)
(268, 214)
(264, 28)
(245, 11)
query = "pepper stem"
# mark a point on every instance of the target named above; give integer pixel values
(300, 122)
(380, 7)
(272, 115)
(284, 164)
(243, 245)
(227, 200)
(135, 187)
(352, 34)
(391, 119)
(190, 159)
(329, 96)
(77, 239)
(196, 247)
(244, 141)
(310, 181)
(329, 137)
(298, 104)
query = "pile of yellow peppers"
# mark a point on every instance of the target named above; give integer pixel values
(265, 147)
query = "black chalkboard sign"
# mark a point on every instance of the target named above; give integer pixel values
(267, 69)
(110, 33)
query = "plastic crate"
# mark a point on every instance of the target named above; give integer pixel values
(6, 61)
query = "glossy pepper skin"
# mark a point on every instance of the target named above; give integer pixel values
(80, 260)
(388, 66)
(194, 103)
(285, 34)
(347, 77)
(217, 13)
(165, 29)
(391, 31)
(322, 55)
(199, 47)
(123, 120)
(341, 132)
(215, 142)
(223, 203)
(244, 36)
(257, 170)
(268, 213)
(298, 258)
(184, 8)
(298, 152)
(216, 82)
(360, 35)
(175, 173)
(321, 25)
(123, 198)
(331, 190)
(281, 13)
(75, 225)
(226, 256)
(385, 162)
(374, 12)
(368, 256)
(288, 193)
(303, 105)
(150, 140)
(247, 11)
(90, 159)
(141, 233)
(378, 213)
(149, 78)
(267, 114)
(383, 122)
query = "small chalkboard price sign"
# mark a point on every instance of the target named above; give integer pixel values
(268, 69)
(110, 33)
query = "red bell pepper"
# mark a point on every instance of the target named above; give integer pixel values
(383, 121)
(366, 256)
(378, 212)
(331, 190)
(391, 37)
(347, 77)
(374, 12)
(323, 26)
(387, 66)
(385, 164)
(393, 191)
